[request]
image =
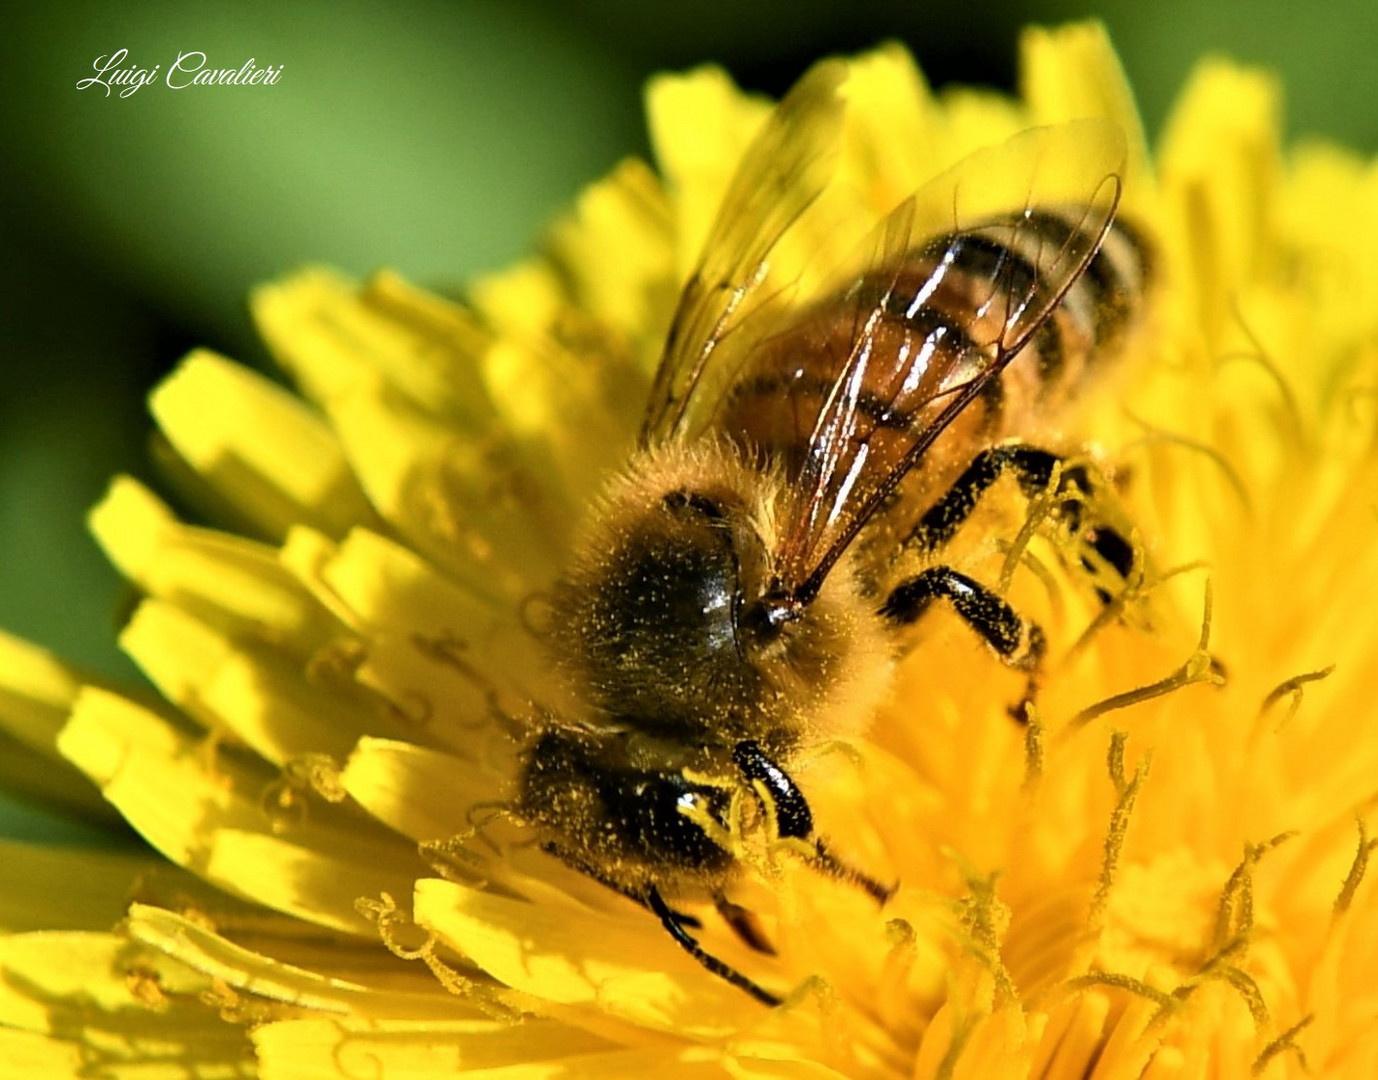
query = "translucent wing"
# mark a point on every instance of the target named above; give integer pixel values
(784, 170)
(957, 279)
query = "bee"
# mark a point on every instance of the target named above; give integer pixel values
(734, 599)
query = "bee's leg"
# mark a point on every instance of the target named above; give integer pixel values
(588, 870)
(1018, 641)
(793, 819)
(676, 930)
(831, 865)
(1033, 469)
(744, 924)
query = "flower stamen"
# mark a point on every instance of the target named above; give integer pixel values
(1285, 1041)
(1034, 752)
(1200, 667)
(1356, 871)
(1291, 689)
(1127, 792)
(1159, 435)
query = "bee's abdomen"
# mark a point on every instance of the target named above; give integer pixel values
(936, 318)
(1090, 322)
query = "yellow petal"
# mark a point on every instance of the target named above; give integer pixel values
(891, 144)
(230, 687)
(224, 579)
(630, 969)
(568, 400)
(476, 504)
(36, 692)
(1218, 170)
(125, 1011)
(94, 886)
(617, 248)
(335, 338)
(423, 794)
(309, 882)
(217, 822)
(258, 446)
(33, 1056)
(700, 125)
(536, 1050)
(1072, 73)
(401, 992)
(424, 631)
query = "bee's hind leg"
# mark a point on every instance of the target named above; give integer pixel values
(1019, 642)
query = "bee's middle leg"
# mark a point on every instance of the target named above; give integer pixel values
(1018, 641)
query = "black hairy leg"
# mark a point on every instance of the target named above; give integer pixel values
(1019, 642)
(1032, 468)
(675, 929)
(781, 799)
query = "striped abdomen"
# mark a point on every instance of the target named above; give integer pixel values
(937, 320)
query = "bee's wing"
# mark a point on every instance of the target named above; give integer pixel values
(786, 167)
(934, 320)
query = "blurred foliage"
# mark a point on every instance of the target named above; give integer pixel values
(436, 138)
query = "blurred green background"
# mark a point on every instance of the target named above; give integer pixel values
(435, 138)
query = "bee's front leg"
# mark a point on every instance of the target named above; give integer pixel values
(675, 928)
(782, 800)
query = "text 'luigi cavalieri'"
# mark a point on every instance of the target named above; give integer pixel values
(114, 71)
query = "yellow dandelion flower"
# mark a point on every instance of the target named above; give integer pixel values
(1161, 872)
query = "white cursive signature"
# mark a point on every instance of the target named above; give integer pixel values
(191, 68)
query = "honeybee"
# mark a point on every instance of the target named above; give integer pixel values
(734, 599)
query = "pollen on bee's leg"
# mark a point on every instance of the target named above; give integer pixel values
(727, 836)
